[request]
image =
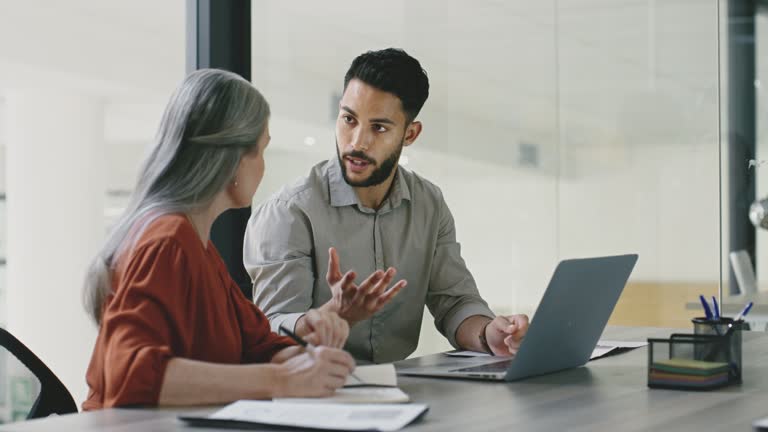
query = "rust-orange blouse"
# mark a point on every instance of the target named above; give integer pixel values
(172, 297)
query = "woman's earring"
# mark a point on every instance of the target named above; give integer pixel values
(235, 183)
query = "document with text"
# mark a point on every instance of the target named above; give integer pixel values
(247, 413)
(357, 395)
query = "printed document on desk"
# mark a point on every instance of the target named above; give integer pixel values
(610, 347)
(760, 425)
(357, 395)
(252, 414)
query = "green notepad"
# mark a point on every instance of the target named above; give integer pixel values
(690, 367)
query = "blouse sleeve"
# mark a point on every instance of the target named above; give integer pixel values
(143, 324)
(260, 344)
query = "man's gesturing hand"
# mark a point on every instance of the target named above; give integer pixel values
(358, 302)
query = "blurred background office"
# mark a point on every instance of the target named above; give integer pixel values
(556, 129)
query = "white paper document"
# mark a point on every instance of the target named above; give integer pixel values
(603, 347)
(321, 416)
(357, 395)
(373, 375)
(467, 354)
(761, 424)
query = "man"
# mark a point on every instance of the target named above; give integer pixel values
(378, 216)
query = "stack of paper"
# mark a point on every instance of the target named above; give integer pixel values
(687, 373)
(251, 414)
(354, 407)
(369, 384)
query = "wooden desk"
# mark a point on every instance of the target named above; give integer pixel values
(609, 394)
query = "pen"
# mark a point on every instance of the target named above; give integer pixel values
(705, 305)
(743, 312)
(739, 317)
(309, 346)
(716, 309)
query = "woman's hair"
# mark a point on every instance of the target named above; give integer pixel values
(211, 121)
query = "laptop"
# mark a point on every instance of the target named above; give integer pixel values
(565, 328)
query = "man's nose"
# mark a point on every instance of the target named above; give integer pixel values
(361, 141)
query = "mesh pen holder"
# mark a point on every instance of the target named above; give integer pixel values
(708, 359)
(729, 349)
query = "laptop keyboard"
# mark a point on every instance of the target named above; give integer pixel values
(499, 366)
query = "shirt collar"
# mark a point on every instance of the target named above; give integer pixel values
(342, 194)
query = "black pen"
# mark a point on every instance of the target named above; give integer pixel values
(309, 346)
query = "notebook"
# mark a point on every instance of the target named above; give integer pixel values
(373, 384)
(380, 375)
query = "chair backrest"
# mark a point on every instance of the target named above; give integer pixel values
(54, 398)
(744, 271)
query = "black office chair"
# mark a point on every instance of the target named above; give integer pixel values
(54, 398)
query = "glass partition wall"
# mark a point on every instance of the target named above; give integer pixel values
(639, 151)
(555, 129)
(747, 179)
(83, 84)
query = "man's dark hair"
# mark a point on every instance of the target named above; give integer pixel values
(392, 70)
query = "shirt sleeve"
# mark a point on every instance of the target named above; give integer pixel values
(277, 253)
(143, 324)
(452, 296)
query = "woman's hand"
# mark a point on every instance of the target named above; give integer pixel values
(314, 372)
(323, 327)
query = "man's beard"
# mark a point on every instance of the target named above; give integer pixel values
(380, 173)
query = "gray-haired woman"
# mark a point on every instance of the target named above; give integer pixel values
(174, 328)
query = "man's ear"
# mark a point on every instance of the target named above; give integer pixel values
(412, 132)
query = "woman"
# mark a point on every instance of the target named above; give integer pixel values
(175, 329)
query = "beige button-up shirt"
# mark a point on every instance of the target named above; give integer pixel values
(286, 254)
